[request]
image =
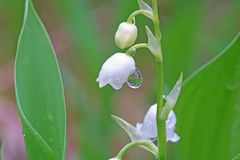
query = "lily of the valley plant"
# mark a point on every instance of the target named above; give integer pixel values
(158, 126)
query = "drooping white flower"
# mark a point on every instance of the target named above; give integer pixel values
(116, 70)
(126, 35)
(149, 128)
(135, 134)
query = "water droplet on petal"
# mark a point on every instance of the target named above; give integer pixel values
(135, 80)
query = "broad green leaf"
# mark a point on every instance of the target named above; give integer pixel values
(144, 6)
(152, 42)
(237, 157)
(39, 91)
(207, 110)
(187, 41)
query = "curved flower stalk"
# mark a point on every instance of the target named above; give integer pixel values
(149, 146)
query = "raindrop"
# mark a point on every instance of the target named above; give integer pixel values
(135, 80)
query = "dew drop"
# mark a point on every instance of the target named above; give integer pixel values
(135, 80)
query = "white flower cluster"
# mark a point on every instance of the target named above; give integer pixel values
(119, 66)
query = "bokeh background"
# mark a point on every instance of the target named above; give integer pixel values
(82, 33)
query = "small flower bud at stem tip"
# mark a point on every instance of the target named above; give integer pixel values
(126, 35)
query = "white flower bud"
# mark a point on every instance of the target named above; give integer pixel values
(126, 35)
(116, 70)
(149, 127)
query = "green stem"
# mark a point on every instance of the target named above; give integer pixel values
(151, 147)
(132, 50)
(138, 12)
(161, 126)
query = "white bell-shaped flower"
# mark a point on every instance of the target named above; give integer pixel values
(116, 70)
(126, 35)
(149, 128)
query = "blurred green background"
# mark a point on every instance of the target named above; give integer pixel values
(82, 33)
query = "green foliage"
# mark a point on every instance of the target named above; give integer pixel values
(39, 91)
(237, 157)
(144, 6)
(76, 15)
(192, 31)
(207, 110)
(153, 43)
(179, 36)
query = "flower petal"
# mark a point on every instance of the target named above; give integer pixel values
(116, 70)
(116, 84)
(103, 79)
(171, 121)
(172, 135)
(149, 127)
(126, 35)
